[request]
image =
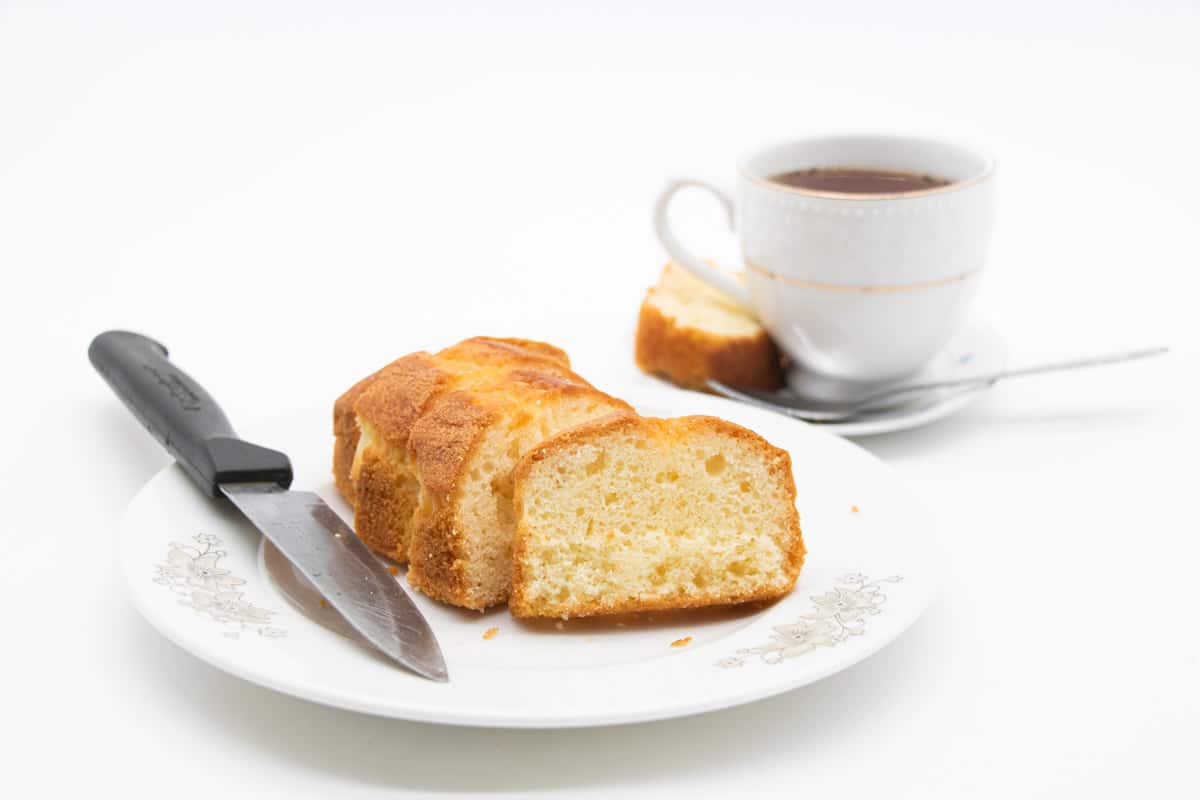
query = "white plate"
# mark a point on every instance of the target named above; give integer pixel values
(975, 349)
(198, 573)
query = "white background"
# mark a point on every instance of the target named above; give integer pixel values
(290, 194)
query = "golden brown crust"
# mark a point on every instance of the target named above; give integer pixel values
(492, 355)
(506, 350)
(426, 415)
(385, 499)
(410, 382)
(345, 432)
(780, 468)
(442, 441)
(381, 473)
(519, 607)
(444, 437)
(689, 356)
(396, 398)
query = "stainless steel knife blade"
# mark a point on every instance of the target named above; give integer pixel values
(356, 583)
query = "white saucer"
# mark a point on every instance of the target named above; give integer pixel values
(976, 349)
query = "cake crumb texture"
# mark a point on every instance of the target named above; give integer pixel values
(635, 514)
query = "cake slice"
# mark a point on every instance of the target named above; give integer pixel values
(435, 438)
(633, 513)
(689, 332)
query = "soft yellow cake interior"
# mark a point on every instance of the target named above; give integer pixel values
(692, 303)
(641, 513)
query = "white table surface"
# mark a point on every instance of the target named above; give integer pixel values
(289, 195)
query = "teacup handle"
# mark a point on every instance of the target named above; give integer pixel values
(685, 258)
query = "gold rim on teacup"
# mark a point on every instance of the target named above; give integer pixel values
(833, 287)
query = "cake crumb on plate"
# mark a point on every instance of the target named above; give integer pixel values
(684, 642)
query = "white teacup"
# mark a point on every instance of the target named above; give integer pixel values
(859, 289)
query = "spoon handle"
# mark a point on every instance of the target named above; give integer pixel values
(988, 378)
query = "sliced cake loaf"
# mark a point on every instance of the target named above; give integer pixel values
(379, 412)
(633, 513)
(689, 332)
(435, 438)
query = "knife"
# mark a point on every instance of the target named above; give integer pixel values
(188, 422)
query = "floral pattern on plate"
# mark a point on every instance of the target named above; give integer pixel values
(195, 574)
(837, 616)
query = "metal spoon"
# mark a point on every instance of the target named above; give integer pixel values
(786, 402)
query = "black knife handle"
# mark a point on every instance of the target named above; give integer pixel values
(181, 415)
